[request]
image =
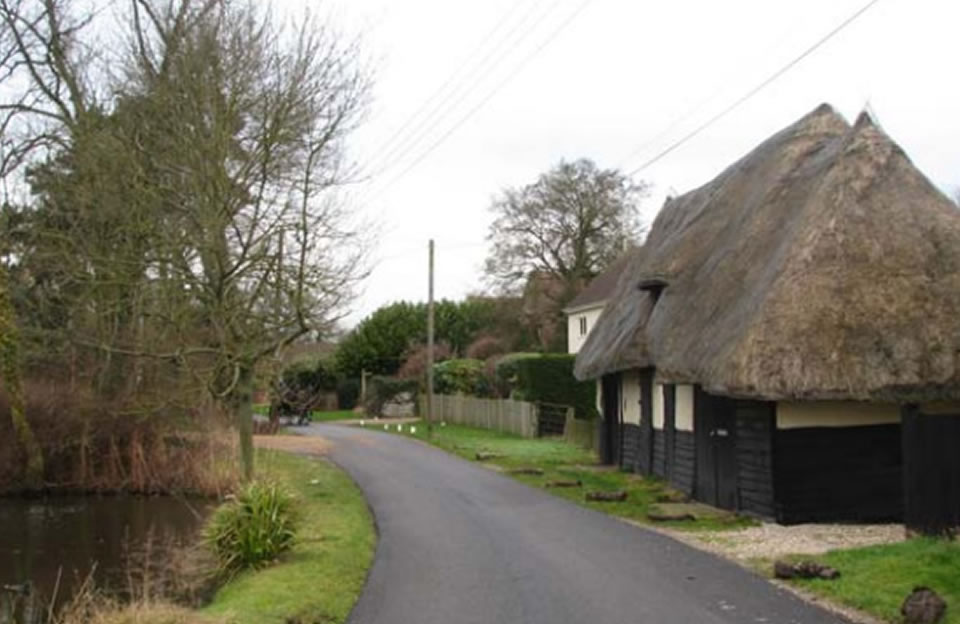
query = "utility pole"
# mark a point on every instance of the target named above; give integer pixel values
(430, 346)
(363, 387)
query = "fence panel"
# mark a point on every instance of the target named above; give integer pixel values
(505, 415)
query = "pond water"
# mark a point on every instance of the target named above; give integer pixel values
(71, 536)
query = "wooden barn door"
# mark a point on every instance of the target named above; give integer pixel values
(715, 431)
(610, 447)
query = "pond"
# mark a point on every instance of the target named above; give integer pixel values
(71, 537)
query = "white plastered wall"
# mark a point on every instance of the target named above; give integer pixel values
(657, 406)
(683, 408)
(796, 415)
(630, 396)
(574, 339)
(940, 408)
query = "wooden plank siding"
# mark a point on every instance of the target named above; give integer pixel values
(611, 444)
(630, 460)
(755, 425)
(931, 472)
(830, 474)
(659, 454)
(791, 475)
(683, 470)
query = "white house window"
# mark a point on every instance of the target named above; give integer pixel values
(583, 326)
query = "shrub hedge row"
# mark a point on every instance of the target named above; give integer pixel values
(547, 377)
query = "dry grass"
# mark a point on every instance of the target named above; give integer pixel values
(309, 445)
(98, 610)
(92, 446)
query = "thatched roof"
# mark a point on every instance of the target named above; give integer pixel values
(600, 288)
(823, 265)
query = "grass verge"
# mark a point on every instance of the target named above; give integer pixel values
(334, 415)
(315, 416)
(320, 579)
(561, 461)
(876, 579)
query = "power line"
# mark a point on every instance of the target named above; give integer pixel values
(455, 75)
(766, 82)
(526, 60)
(464, 83)
(719, 87)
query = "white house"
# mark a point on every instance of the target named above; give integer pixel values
(583, 312)
(585, 309)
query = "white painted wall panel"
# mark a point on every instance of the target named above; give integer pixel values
(684, 408)
(795, 415)
(575, 339)
(630, 396)
(657, 406)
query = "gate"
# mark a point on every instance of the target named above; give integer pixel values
(551, 419)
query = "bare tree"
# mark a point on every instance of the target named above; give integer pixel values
(566, 227)
(206, 192)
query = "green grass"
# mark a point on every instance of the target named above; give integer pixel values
(321, 578)
(561, 461)
(334, 415)
(876, 579)
(315, 416)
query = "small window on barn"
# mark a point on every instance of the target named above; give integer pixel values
(654, 286)
(583, 326)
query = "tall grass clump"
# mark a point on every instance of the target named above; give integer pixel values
(94, 445)
(252, 529)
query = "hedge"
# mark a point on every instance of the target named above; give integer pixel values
(348, 393)
(299, 387)
(461, 376)
(382, 390)
(547, 378)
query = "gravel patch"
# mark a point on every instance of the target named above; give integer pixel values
(755, 547)
(769, 541)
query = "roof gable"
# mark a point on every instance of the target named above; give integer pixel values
(600, 288)
(821, 265)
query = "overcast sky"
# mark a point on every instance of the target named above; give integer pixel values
(617, 81)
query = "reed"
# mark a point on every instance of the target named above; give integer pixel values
(91, 445)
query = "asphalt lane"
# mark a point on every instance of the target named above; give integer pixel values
(460, 544)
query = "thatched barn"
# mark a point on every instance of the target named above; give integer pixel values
(792, 331)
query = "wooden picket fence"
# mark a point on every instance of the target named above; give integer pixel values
(505, 415)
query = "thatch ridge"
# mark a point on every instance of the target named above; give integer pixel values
(821, 265)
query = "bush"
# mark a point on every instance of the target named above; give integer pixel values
(382, 390)
(547, 378)
(348, 393)
(301, 387)
(485, 347)
(505, 371)
(415, 365)
(461, 377)
(253, 529)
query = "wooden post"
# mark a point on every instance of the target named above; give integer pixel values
(430, 344)
(363, 387)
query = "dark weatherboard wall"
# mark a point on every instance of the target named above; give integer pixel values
(738, 458)
(931, 471)
(827, 474)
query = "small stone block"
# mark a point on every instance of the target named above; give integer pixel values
(607, 497)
